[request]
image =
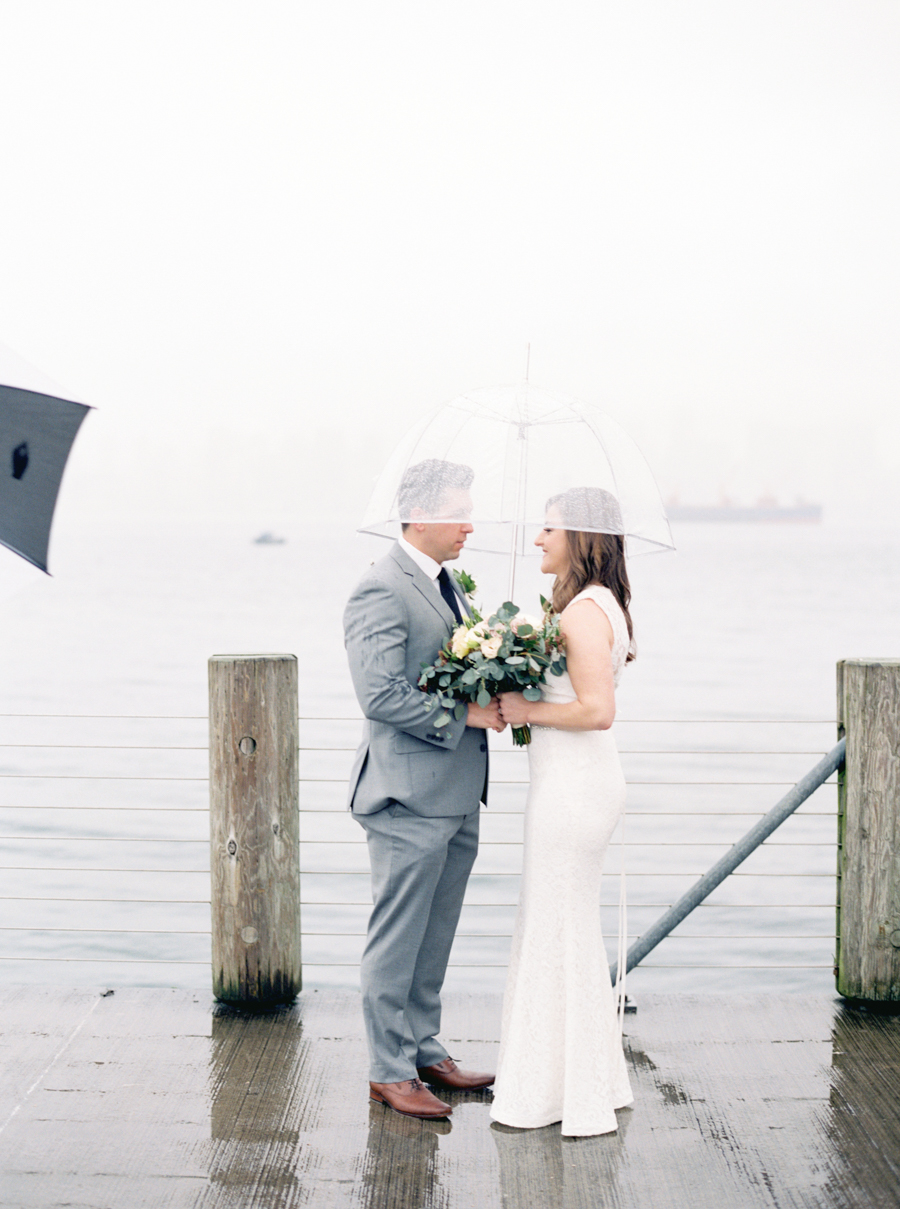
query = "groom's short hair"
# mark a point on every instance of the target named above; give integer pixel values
(425, 486)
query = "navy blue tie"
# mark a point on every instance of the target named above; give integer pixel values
(448, 594)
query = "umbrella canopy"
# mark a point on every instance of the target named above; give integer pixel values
(37, 428)
(524, 447)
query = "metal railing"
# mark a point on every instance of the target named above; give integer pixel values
(123, 884)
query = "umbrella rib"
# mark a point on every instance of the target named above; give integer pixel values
(587, 420)
(491, 429)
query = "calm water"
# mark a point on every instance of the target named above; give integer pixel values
(744, 622)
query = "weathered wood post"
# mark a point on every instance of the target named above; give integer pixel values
(868, 884)
(254, 826)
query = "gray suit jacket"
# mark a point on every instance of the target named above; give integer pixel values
(394, 622)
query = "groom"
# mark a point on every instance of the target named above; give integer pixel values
(415, 788)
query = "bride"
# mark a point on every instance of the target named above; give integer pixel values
(561, 1054)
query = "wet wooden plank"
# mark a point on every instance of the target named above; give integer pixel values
(33, 1032)
(158, 1098)
(755, 1082)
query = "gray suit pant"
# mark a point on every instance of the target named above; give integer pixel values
(420, 867)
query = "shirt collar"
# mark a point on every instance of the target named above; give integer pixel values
(424, 561)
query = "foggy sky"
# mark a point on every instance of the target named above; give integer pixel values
(262, 238)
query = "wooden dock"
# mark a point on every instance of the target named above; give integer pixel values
(151, 1097)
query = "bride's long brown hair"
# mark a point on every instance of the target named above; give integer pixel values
(594, 558)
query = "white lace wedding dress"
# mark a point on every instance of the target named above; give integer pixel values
(561, 1054)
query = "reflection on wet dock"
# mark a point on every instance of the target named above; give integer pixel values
(150, 1097)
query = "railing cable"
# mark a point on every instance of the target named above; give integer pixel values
(742, 849)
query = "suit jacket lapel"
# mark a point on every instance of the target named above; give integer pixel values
(426, 587)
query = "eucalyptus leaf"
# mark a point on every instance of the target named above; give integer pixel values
(460, 711)
(532, 693)
(465, 581)
(484, 698)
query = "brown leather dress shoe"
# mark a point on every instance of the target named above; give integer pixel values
(447, 1074)
(409, 1098)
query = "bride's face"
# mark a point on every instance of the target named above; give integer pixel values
(554, 545)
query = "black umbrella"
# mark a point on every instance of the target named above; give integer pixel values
(36, 433)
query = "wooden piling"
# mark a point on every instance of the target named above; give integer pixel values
(254, 828)
(868, 884)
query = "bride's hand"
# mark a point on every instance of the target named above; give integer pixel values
(514, 709)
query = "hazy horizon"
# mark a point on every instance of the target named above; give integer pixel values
(261, 240)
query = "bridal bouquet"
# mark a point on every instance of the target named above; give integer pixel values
(510, 652)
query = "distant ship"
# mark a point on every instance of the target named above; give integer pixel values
(269, 539)
(766, 511)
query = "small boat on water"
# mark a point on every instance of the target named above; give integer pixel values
(269, 539)
(765, 511)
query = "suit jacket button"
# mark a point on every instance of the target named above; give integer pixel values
(484, 747)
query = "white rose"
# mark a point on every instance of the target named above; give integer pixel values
(490, 648)
(466, 640)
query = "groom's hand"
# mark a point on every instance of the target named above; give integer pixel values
(487, 717)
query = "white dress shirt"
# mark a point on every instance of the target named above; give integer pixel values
(431, 568)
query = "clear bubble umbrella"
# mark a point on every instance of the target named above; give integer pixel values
(525, 447)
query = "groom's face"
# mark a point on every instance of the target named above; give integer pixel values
(443, 540)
